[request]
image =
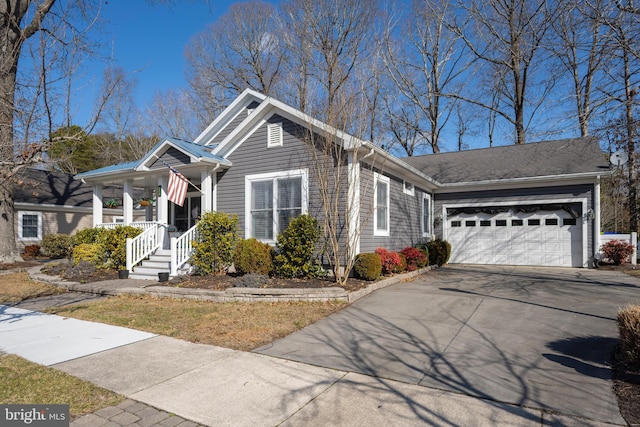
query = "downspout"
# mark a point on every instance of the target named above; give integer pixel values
(595, 241)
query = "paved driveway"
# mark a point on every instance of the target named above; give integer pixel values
(539, 337)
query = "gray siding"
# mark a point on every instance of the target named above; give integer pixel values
(405, 212)
(234, 123)
(172, 157)
(521, 195)
(253, 157)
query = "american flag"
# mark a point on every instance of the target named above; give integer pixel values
(177, 189)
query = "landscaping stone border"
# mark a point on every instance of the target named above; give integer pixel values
(146, 287)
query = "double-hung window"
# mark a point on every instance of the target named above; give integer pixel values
(426, 215)
(30, 225)
(381, 205)
(272, 201)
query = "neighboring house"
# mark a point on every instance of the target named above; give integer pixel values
(536, 204)
(48, 202)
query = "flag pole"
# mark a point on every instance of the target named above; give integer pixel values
(175, 171)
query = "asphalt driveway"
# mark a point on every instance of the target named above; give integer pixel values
(537, 337)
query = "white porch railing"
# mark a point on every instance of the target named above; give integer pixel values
(143, 244)
(181, 249)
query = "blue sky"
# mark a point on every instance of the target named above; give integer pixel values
(151, 38)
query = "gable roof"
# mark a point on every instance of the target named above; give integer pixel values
(565, 157)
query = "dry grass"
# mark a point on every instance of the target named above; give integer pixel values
(236, 325)
(24, 382)
(16, 287)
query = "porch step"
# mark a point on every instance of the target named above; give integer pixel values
(160, 262)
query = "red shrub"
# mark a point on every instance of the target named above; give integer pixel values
(415, 258)
(617, 251)
(391, 262)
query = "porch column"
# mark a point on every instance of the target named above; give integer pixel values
(127, 202)
(162, 202)
(97, 205)
(206, 185)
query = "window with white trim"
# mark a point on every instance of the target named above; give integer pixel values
(29, 225)
(272, 201)
(426, 215)
(381, 205)
(274, 135)
(408, 188)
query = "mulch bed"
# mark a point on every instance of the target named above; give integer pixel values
(626, 386)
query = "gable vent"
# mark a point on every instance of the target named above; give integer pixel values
(274, 135)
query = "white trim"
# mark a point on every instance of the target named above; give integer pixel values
(408, 188)
(273, 176)
(428, 231)
(353, 203)
(53, 208)
(526, 182)
(597, 218)
(386, 180)
(21, 215)
(274, 135)
(583, 200)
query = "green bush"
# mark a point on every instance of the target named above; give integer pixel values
(114, 242)
(57, 245)
(367, 266)
(439, 252)
(213, 250)
(89, 252)
(295, 246)
(87, 235)
(629, 328)
(252, 256)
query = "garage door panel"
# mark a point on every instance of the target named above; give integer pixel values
(517, 238)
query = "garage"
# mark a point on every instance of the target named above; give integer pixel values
(517, 235)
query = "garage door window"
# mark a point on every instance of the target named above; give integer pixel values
(517, 223)
(569, 221)
(485, 223)
(551, 221)
(456, 223)
(533, 222)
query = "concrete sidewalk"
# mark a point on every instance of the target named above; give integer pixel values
(217, 386)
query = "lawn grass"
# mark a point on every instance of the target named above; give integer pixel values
(25, 382)
(237, 325)
(16, 287)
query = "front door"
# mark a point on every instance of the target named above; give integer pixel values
(184, 217)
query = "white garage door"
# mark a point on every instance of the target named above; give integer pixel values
(551, 238)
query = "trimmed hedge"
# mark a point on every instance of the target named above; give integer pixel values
(367, 266)
(252, 256)
(57, 245)
(629, 329)
(439, 252)
(294, 248)
(89, 252)
(213, 250)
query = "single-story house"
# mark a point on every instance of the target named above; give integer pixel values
(49, 202)
(533, 204)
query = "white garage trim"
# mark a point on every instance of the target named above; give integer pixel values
(582, 200)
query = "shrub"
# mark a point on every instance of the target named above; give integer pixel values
(57, 245)
(295, 246)
(439, 252)
(213, 249)
(87, 235)
(391, 261)
(252, 256)
(415, 258)
(402, 266)
(32, 251)
(114, 243)
(617, 251)
(367, 266)
(629, 328)
(89, 252)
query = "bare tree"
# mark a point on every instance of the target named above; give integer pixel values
(174, 113)
(579, 44)
(37, 38)
(240, 50)
(326, 42)
(424, 61)
(507, 35)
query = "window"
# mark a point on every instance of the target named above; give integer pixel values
(568, 221)
(485, 223)
(533, 222)
(501, 222)
(381, 205)
(426, 215)
(30, 225)
(274, 135)
(408, 188)
(272, 200)
(469, 223)
(551, 221)
(456, 223)
(118, 220)
(517, 223)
